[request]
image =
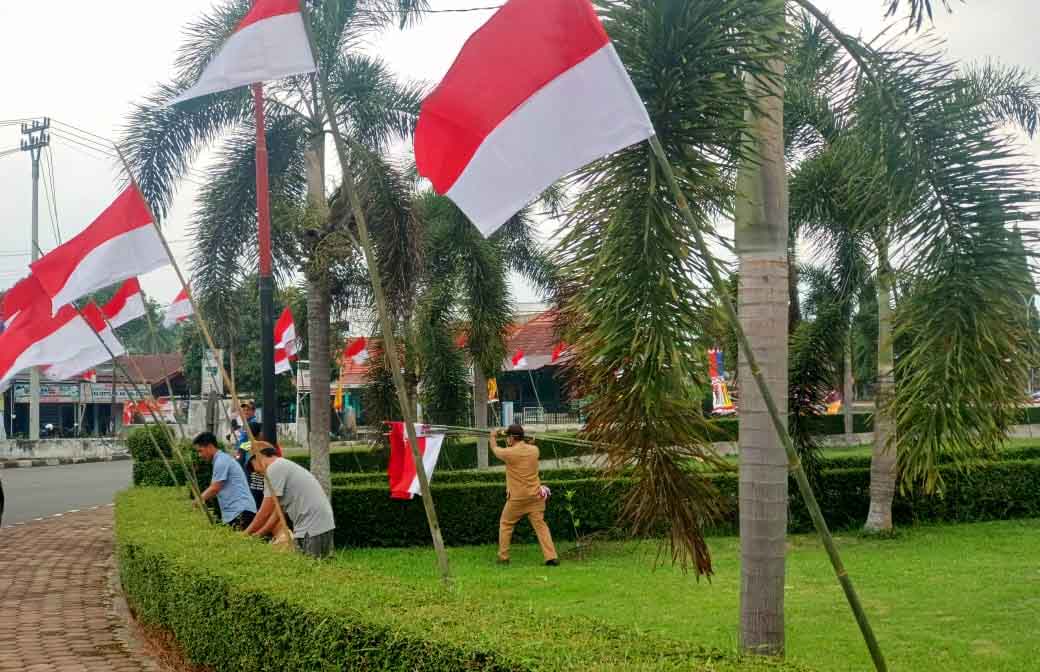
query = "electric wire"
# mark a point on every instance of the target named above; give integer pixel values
(53, 196)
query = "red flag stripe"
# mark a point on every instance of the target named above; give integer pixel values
(266, 9)
(118, 301)
(501, 66)
(21, 296)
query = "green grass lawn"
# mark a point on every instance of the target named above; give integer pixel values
(951, 599)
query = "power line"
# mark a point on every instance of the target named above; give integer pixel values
(107, 141)
(47, 193)
(84, 143)
(54, 196)
(87, 137)
(82, 148)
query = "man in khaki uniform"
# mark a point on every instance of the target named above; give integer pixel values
(524, 496)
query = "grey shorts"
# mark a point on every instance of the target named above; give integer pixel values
(317, 546)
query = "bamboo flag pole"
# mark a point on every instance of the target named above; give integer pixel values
(199, 320)
(389, 341)
(795, 464)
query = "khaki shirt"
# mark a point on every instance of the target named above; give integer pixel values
(521, 460)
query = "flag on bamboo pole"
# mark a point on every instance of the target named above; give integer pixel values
(93, 351)
(126, 305)
(404, 480)
(23, 294)
(37, 338)
(285, 333)
(535, 93)
(357, 350)
(179, 310)
(120, 244)
(519, 360)
(269, 43)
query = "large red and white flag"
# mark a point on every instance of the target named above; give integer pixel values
(404, 481)
(269, 43)
(93, 351)
(357, 350)
(285, 333)
(534, 94)
(121, 243)
(37, 338)
(23, 294)
(126, 306)
(178, 311)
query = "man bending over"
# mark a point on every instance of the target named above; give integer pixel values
(228, 484)
(307, 510)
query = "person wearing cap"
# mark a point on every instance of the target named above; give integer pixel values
(228, 483)
(306, 507)
(524, 494)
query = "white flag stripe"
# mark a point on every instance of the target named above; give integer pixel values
(71, 338)
(270, 49)
(135, 252)
(587, 112)
(177, 311)
(88, 358)
(429, 458)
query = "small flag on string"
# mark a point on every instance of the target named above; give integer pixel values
(269, 43)
(285, 333)
(404, 480)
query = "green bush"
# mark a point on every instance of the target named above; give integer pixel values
(728, 429)
(154, 473)
(141, 445)
(325, 616)
(455, 454)
(468, 512)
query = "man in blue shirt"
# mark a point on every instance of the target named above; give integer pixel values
(228, 485)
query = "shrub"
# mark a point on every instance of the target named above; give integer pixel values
(328, 616)
(468, 512)
(141, 445)
(455, 454)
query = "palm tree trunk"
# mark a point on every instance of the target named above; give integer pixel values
(318, 327)
(321, 414)
(883, 458)
(761, 240)
(480, 404)
(847, 393)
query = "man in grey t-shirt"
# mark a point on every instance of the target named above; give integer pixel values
(306, 507)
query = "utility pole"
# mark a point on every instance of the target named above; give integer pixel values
(37, 140)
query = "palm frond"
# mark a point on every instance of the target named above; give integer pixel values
(204, 37)
(522, 253)
(1010, 94)
(161, 142)
(919, 9)
(375, 107)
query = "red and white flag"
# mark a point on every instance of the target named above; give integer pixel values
(285, 333)
(519, 360)
(90, 376)
(281, 362)
(269, 43)
(37, 338)
(534, 94)
(121, 243)
(404, 481)
(126, 306)
(357, 350)
(558, 352)
(179, 310)
(23, 294)
(92, 351)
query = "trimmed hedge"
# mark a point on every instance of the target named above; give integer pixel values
(456, 454)
(469, 512)
(199, 583)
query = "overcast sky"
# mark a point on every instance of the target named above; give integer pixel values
(84, 63)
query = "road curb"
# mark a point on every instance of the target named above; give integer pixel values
(58, 461)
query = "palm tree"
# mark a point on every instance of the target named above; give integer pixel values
(163, 142)
(854, 206)
(466, 277)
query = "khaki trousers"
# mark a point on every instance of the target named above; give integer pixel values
(513, 513)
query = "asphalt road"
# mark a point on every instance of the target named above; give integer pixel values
(38, 492)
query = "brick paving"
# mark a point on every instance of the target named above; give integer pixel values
(56, 598)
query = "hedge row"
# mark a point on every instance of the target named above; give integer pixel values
(456, 454)
(468, 512)
(325, 616)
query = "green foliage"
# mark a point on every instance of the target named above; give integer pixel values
(141, 441)
(446, 391)
(469, 512)
(635, 291)
(332, 616)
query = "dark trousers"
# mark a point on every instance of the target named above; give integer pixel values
(317, 546)
(242, 520)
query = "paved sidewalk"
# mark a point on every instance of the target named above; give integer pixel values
(56, 599)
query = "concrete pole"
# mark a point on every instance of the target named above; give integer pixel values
(34, 374)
